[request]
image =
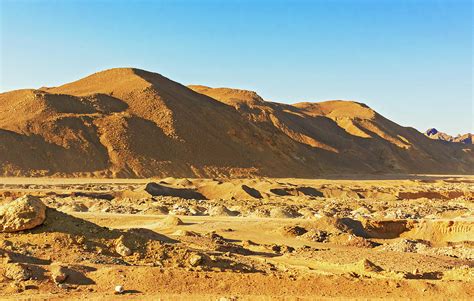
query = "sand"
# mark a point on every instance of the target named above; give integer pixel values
(399, 237)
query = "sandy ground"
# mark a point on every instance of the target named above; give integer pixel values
(245, 239)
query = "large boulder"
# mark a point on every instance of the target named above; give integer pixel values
(23, 213)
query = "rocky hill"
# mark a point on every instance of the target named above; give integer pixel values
(132, 123)
(437, 135)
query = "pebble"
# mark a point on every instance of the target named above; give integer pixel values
(119, 289)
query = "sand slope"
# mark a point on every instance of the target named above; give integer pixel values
(132, 123)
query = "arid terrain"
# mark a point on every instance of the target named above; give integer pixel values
(126, 184)
(237, 239)
(132, 123)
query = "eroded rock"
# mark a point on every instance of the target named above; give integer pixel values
(21, 214)
(17, 272)
(58, 273)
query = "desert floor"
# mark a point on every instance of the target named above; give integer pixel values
(244, 239)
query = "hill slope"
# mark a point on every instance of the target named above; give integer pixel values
(132, 123)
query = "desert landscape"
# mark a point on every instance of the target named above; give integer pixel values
(237, 239)
(128, 185)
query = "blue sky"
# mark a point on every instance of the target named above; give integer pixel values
(409, 60)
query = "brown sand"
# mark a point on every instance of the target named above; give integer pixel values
(300, 239)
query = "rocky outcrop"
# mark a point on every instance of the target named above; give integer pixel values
(437, 135)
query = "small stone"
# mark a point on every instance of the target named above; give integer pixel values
(121, 248)
(195, 260)
(7, 258)
(119, 289)
(15, 287)
(369, 266)
(58, 273)
(172, 220)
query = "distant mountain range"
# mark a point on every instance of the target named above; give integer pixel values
(127, 122)
(435, 134)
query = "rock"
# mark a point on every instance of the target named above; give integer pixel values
(306, 213)
(21, 214)
(195, 260)
(185, 233)
(15, 288)
(63, 286)
(121, 248)
(248, 243)
(172, 221)
(316, 235)
(361, 212)
(7, 258)
(18, 272)
(407, 245)
(369, 266)
(215, 237)
(119, 289)
(431, 131)
(58, 273)
(160, 210)
(292, 231)
(359, 242)
(221, 210)
(286, 249)
(279, 212)
(74, 207)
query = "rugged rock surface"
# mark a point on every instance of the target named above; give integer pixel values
(18, 272)
(437, 135)
(22, 214)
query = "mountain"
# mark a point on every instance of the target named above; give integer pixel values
(128, 122)
(435, 134)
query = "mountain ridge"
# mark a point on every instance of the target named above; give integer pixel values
(128, 122)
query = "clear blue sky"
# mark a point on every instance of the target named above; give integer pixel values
(409, 60)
